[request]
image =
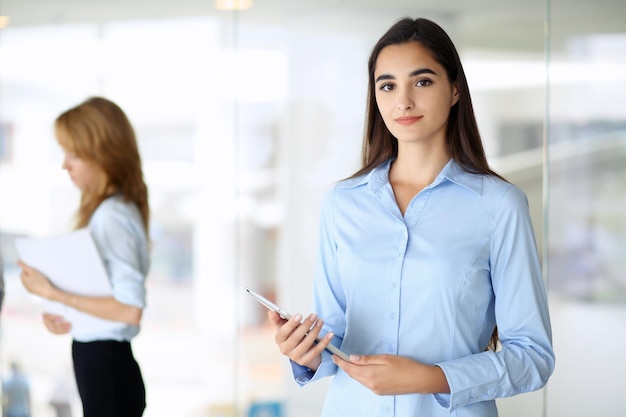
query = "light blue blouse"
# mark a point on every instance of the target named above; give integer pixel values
(117, 230)
(431, 285)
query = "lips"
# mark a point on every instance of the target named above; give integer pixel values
(408, 120)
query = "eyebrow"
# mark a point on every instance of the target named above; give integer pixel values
(412, 74)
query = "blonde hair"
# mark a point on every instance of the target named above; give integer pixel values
(99, 132)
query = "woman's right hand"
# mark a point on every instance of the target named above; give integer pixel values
(296, 338)
(56, 324)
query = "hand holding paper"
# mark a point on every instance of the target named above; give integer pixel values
(35, 282)
(71, 263)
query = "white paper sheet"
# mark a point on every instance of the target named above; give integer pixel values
(72, 263)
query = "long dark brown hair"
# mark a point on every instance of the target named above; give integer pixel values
(99, 132)
(463, 141)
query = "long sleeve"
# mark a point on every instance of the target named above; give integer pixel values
(121, 242)
(526, 359)
(117, 230)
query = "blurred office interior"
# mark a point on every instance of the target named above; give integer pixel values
(246, 111)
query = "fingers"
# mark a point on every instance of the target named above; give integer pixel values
(359, 362)
(288, 330)
(59, 328)
(36, 283)
(296, 338)
(27, 281)
(363, 360)
(367, 359)
(56, 324)
(26, 270)
(275, 319)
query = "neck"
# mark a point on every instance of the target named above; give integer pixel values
(417, 166)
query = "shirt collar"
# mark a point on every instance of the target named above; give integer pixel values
(455, 173)
(379, 177)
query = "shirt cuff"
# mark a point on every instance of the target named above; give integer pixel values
(303, 375)
(443, 400)
(471, 380)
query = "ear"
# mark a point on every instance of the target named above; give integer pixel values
(455, 94)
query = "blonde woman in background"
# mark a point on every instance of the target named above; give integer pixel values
(103, 161)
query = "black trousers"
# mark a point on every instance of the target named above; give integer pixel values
(109, 379)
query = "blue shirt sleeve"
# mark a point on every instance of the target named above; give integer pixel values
(118, 232)
(526, 359)
(304, 375)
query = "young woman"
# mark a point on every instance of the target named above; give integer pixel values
(102, 159)
(423, 252)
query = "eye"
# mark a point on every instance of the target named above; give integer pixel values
(424, 82)
(386, 87)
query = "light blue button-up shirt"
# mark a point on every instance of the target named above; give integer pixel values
(118, 233)
(431, 285)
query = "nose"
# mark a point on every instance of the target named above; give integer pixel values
(405, 101)
(65, 164)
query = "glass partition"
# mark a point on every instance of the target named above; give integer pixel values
(586, 232)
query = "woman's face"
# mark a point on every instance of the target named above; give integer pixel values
(85, 175)
(413, 93)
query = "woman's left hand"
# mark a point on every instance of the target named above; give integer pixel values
(394, 375)
(35, 282)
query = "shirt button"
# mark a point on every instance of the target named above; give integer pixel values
(386, 409)
(389, 348)
(393, 285)
(392, 316)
